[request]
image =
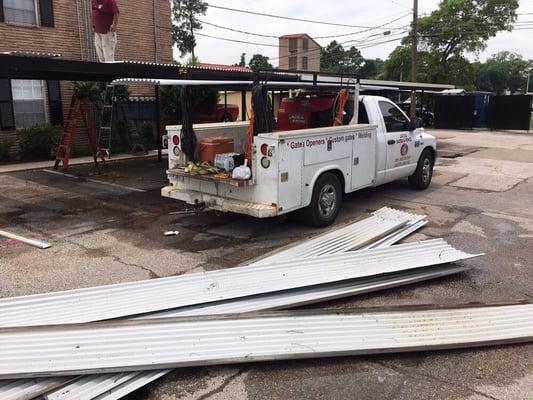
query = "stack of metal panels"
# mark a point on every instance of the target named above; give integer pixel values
(318, 269)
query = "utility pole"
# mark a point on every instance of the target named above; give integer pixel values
(192, 34)
(528, 76)
(414, 54)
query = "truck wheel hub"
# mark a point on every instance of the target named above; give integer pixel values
(327, 200)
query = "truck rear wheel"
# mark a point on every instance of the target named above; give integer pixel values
(325, 202)
(421, 178)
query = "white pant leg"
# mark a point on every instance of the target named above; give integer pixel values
(98, 46)
(109, 42)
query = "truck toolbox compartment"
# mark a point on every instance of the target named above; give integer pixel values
(211, 146)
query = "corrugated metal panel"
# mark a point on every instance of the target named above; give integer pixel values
(90, 386)
(379, 225)
(127, 387)
(181, 342)
(114, 301)
(274, 301)
(311, 295)
(304, 296)
(30, 388)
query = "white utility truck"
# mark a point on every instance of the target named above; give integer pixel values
(310, 169)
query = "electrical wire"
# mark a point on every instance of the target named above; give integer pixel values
(292, 18)
(313, 36)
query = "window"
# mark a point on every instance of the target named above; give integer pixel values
(28, 102)
(293, 62)
(305, 44)
(293, 44)
(395, 119)
(304, 63)
(20, 11)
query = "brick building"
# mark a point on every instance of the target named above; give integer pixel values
(64, 27)
(299, 52)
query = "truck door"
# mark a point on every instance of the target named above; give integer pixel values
(399, 141)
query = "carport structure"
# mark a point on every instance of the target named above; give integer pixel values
(52, 68)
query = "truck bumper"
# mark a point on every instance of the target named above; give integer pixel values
(219, 203)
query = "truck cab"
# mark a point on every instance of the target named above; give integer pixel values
(310, 169)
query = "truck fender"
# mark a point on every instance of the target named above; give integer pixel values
(307, 188)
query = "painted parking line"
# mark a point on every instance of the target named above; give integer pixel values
(132, 189)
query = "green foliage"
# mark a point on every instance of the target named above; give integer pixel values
(185, 20)
(503, 71)
(91, 91)
(146, 134)
(38, 142)
(456, 71)
(170, 96)
(206, 98)
(459, 26)
(242, 61)
(372, 69)
(259, 61)
(5, 145)
(94, 91)
(334, 58)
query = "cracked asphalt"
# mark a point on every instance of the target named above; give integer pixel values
(481, 200)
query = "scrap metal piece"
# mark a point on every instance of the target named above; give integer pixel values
(133, 384)
(126, 299)
(359, 235)
(94, 385)
(32, 242)
(195, 341)
(30, 388)
(90, 386)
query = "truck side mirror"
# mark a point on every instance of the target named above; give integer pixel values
(415, 123)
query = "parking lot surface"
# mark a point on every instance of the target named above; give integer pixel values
(108, 228)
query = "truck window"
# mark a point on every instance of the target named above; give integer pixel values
(363, 116)
(395, 120)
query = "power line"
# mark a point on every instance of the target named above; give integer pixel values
(313, 36)
(311, 21)
(238, 41)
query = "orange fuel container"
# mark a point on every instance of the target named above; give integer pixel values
(211, 146)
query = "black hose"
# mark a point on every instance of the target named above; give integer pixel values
(262, 105)
(188, 137)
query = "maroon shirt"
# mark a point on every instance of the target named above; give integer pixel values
(103, 13)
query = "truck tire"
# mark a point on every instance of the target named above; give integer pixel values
(421, 178)
(326, 201)
(227, 118)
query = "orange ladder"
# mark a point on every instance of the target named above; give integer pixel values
(77, 111)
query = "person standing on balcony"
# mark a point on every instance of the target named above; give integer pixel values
(105, 22)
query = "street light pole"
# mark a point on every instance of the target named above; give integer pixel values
(414, 54)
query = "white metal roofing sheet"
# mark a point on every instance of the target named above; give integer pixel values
(125, 299)
(180, 342)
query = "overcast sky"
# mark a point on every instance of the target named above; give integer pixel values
(352, 12)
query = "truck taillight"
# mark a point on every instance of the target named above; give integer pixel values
(264, 149)
(176, 140)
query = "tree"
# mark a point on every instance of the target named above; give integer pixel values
(205, 97)
(259, 61)
(457, 70)
(185, 21)
(334, 58)
(242, 62)
(503, 71)
(371, 69)
(460, 26)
